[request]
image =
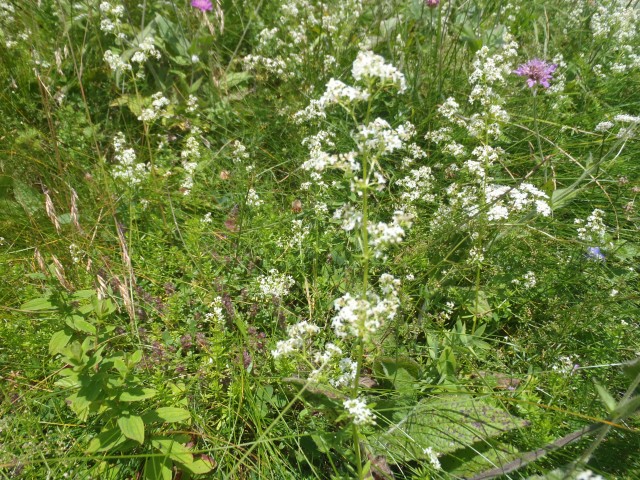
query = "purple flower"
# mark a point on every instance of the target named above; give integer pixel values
(431, 3)
(594, 253)
(537, 71)
(204, 5)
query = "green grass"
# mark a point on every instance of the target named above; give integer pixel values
(136, 338)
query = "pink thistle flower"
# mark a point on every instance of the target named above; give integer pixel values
(204, 5)
(431, 3)
(537, 72)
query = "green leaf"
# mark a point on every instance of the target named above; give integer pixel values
(106, 441)
(167, 415)
(58, 342)
(626, 408)
(199, 467)
(135, 357)
(402, 372)
(132, 427)
(446, 424)
(174, 450)
(137, 394)
(465, 463)
(606, 397)
(632, 368)
(80, 324)
(38, 304)
(31, 200)
(158, 468)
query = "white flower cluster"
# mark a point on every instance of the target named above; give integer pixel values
(111, 17)
(298, 233)
(298, 333)
(115, 62)
(190, 156)
(433, 457)
(604, 126)
(253, 200)
(357, 408)
(145, 50)
(217, 313)
(368, 66)
(418, 186)
(382, 235)
(275, 284)
(616, 23)
(588, 475)
(127, 169)
(379, 137)
(239, 153)
(528, 280)
(157, 109)
(505, 201)
(275, 66)
(192, 103)
(361, 317)
(594, 229)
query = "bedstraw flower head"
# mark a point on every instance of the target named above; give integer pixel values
(537, 72)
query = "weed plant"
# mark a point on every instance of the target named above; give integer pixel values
(317, 239)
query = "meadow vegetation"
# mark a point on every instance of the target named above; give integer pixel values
(319, 239)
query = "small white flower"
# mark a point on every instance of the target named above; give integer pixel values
(358, 409)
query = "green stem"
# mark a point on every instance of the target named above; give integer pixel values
(537, 130)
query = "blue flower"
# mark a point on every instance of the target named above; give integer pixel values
(594, 253)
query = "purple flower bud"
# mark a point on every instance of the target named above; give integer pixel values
(537, 72)
(431, 3)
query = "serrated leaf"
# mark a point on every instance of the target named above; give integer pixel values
(445, 424)
(158, 468)
(137, 394)
(132, 427)
(37, 304)
(58, 342)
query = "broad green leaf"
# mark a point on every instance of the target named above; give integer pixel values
(31, 200)
(173, 414)
(174, 450)
(80, 324)
(106, 441)
(135, 357)
(58, 341)
(132, 427)
(445, 424)
(199, 467)
(158, 468)
(137, 394)
(232, 79)
(37, 304)
(470, 461)
(83, 294)
(402, 372)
